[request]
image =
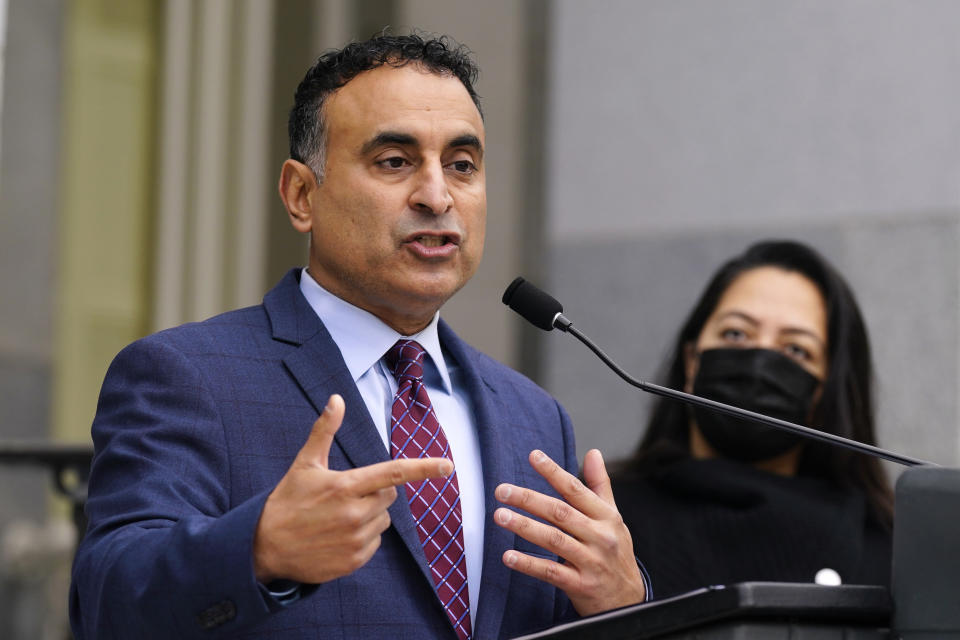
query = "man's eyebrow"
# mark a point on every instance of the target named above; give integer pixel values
(467, 140)
(386, 138)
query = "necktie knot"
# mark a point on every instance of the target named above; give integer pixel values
(405, 360)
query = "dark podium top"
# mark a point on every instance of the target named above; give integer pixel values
(743, 610)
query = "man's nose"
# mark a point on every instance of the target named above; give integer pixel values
(431, 193)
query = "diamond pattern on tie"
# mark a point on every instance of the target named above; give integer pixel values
(434, 503)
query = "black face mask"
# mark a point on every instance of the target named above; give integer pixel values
(760, 380)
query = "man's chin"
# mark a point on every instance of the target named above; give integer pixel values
(428, 299)
(433, 287)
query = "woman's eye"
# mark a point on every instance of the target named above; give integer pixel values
(797, 352)
(733, 335)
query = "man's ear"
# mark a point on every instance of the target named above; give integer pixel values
(297, 187)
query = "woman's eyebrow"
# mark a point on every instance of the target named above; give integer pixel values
(738, 314)
(789, 330)
(806, 332)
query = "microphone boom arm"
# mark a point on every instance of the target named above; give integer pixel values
(562, 323)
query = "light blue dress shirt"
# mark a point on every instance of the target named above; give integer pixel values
(363, 340)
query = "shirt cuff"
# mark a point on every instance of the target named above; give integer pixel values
(281, 592)
(647, 584)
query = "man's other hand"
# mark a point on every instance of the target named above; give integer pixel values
(319, 524)
(600, 571)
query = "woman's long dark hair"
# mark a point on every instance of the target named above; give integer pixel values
(846, 406)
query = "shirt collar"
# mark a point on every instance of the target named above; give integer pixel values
(361, 336)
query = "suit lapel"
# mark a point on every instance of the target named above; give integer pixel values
(320, 371)
(499, 465)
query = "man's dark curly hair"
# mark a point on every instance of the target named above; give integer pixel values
(335, 68)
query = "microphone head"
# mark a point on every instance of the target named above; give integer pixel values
(536, 306)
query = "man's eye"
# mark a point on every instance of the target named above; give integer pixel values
(463, 166)
(395, 162)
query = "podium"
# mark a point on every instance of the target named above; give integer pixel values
(744, 611)
(923, 602)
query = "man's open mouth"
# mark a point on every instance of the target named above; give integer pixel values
(432, 241)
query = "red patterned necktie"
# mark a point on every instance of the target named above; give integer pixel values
(435, 502)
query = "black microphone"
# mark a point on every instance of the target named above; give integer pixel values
(544, 311)
(537, 306)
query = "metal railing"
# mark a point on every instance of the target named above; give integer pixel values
(68, 463)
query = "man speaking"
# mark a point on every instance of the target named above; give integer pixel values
(433, 497)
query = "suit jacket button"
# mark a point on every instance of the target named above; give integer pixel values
(215, 615)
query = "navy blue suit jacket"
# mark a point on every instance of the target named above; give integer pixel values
(196, 425)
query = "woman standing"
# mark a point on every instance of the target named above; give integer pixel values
(711, 499)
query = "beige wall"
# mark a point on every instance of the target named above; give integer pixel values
(106, 198)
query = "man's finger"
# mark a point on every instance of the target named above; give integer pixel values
(559, 575)
(316, 450)
(563, 516)
(395, 473)
(569, 486)
(596, 477)
(559, 541)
